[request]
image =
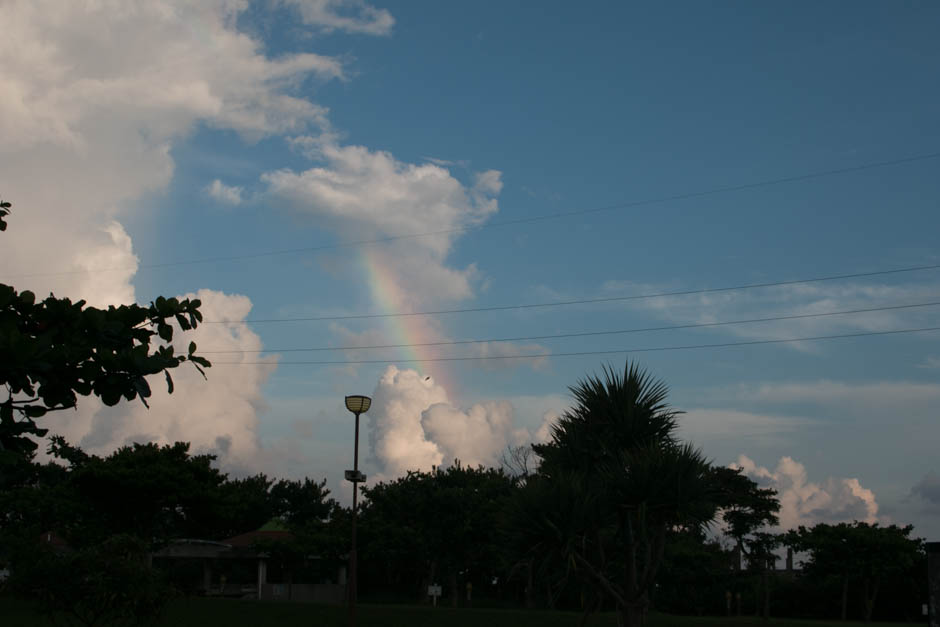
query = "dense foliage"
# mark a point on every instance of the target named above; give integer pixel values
(435, 526)
(54, 350)
(612, 484)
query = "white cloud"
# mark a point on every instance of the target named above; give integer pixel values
(218, 415)
(95, 95)
(364, 194)
(227, 194)
(544, 433)
(414, 426)
(803, 502)
(475, 436)
(112, 249)
(396, 434)
(352, 16)
(463, 163)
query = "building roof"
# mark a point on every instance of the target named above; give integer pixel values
(254, 537)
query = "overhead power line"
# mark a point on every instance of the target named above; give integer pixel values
(501, 223)
(585, 301)
(581, 353)
(555, 336)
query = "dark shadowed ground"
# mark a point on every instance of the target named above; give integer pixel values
(224, 613)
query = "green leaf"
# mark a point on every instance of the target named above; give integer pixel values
(183, 322)
(143, 389)
(165, 331)
(169, 382)
(192, 348)
(35, 411)
(201, 372)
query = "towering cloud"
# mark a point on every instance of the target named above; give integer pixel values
(803, 502)
(219, 415)
(414, 426)
(476, 436)
(95, 95)
(397, 436)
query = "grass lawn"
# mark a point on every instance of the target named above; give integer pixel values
(226, 613)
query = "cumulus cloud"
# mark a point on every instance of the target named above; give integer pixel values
(476, 436)
(352, 16)
(544, 432)
(112, 250)
(872, 408)
(218, 415)
(227, 194)
(95, 95)
(364, 194)
(396, 435)
(803, 502)
(413, 426)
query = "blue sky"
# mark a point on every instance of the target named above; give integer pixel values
(231, 130)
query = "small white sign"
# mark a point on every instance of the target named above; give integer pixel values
(434, 590)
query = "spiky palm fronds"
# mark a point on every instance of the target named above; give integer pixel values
(619, 412)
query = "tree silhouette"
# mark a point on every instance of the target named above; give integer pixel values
(866, 553)
(612, 481)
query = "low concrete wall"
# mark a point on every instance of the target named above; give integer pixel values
(309, 592)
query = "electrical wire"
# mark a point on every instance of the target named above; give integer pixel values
(527, 338)
(580, 353)
(584, 301)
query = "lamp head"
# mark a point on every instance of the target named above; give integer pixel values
(358, 404)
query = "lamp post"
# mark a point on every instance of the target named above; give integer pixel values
(357, 405)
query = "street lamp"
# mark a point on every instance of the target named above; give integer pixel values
(357, 405)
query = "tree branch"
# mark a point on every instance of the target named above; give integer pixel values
(604, 583)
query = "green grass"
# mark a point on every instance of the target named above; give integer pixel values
(226, 613)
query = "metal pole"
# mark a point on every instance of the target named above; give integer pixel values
(352, 555)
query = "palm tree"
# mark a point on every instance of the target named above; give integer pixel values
(612, 481)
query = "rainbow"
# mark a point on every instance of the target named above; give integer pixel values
(389, 296)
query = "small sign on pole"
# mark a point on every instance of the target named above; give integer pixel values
(355, 476)
(434, 591)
